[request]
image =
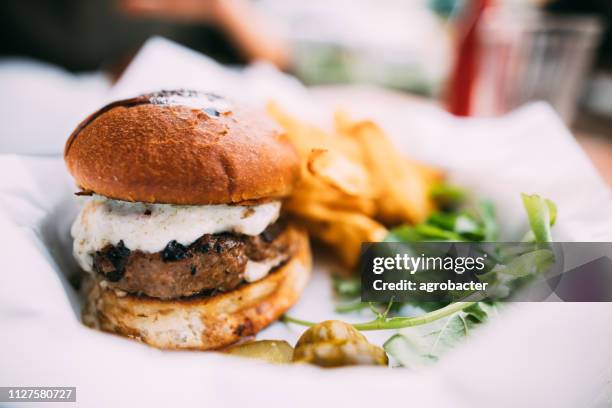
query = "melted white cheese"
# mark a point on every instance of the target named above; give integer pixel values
(149, 227)
(255, 271)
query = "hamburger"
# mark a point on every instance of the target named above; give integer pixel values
(180, 230)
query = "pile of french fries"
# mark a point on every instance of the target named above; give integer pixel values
(354, 183)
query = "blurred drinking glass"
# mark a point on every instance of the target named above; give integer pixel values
(531, 56)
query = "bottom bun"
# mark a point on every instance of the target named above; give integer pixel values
(202, 323)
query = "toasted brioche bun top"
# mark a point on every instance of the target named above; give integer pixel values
(181, 147)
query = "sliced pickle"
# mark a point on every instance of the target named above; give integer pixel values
(272, 351)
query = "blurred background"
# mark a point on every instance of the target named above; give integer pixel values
(471, 57)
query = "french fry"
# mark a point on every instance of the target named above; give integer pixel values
(298, 202)
(430, 174)
(344, 230)
(353, 183)
(306, 137)
(340, 172)
(403, 192)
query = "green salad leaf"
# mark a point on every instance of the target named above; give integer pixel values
(542, 214)
(419, 345)
(447, 196)
(422, 345)
(486, 211)
(424, 337)
(461, 221)
(347, 287)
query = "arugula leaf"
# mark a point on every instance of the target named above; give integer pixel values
(542, 214)
(350, 307)
(422, 232)
(425, 338)
(447, 196)
(404, 233)
(422, 345)
(460, 224)
(416, 346)
(486, 211)
(433, 232)
(347, 286)
(529, 264)
(504, 280)
(467, 225)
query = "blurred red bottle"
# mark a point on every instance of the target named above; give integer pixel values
(463, 77)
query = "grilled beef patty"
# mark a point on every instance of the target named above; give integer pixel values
(214, 262)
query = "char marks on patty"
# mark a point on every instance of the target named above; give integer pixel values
(214, 262)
